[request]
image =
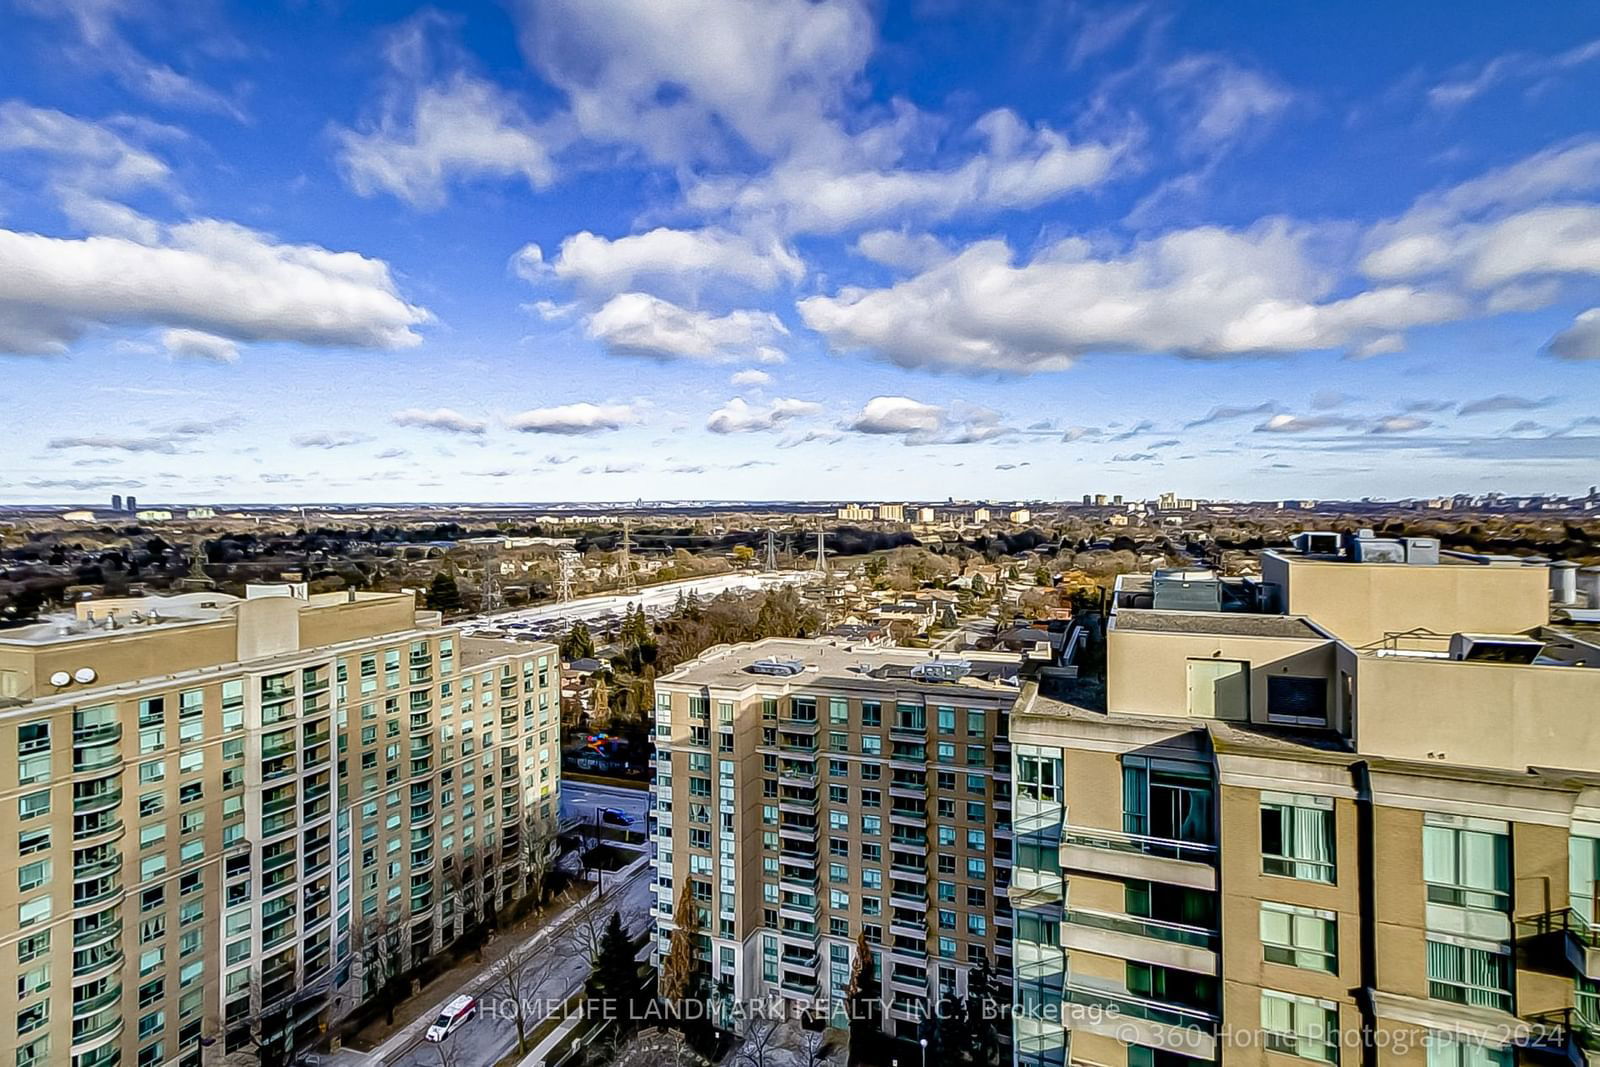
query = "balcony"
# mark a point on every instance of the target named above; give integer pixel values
(1563, 937)
(96, 800)
(1132, 1019)
(1130, 937)
(1567, 1035)
(1121, 855)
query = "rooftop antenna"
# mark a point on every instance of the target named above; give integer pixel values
(772, 550)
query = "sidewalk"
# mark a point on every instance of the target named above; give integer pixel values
(470, 977)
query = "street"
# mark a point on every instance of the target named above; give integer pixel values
(580, 799)
(560, 961)
(655, 599)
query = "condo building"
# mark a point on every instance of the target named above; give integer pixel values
(1345, 812)
(223, 811)
(808, 792)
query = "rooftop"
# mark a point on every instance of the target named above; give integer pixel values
(1226, 624)
(843, 662)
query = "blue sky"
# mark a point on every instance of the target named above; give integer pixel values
(607, 249)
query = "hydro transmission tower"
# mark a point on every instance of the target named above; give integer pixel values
(566, 561)
(627, 556)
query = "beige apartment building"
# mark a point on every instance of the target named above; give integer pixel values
(223, 812)
(809, 791)
(1348, 812)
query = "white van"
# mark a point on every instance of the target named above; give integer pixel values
(452, 1018)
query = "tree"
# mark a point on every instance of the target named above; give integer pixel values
(1041, 576)
(577, 643)
(862, 1002)
(813, 1042)
(517, 976)
(443, 594)
(982, 1011)
(614, 982)
(540, 851)
(758, 1036)
(382, 958)
(679, 981)
(951, 1030)
(600, 704)
(743, 555)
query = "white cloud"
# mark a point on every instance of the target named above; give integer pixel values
(1503, 402)
(1205, 292)
(680, 80)
(436, 127)
(638, 324)
(1285, 423)
(918, 423)
(328, 440)
(897, 248)
(1221, 101)
(1400, 424)
(680, 259)
(446, 419)
(737, 416)
(863, 179)
(89, 155)
(207, 275)
(1581, 340)
(196, 344)
(104, 47)
(1468, 85)
(575, 419)
(750, 379)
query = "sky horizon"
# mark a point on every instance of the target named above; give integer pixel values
(600, 250)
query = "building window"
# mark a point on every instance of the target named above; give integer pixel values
(1297, 701)
(1299, 937)
(1297, 837)
(1466, 974)
(1466, 862)
(1039, 774)
(1448, 1050)
(1299, 1026)
(1165, 798)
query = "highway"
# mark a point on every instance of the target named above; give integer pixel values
(655, 599)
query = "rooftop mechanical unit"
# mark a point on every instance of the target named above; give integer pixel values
(1495, 648)
(780, 668)
(942, 670)
(1186, 591)
(1318, 543)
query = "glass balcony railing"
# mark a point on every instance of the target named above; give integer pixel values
(1117, 841)
(1137, 1007)
(1176, 933)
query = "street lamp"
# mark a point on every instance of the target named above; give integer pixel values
(924, 1043)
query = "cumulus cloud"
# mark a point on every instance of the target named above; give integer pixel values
(1228, 412)
(1503, 402)
(1204, 293)
(437, 126)
(212, 276)
(575, 419)
(918, 423)
(330, 439)
(1581, 340)
(738, 416)
(897, 248)
(197, 344)
(638, 324)
(678, 259)
(750, 379)
(447, 419)
(857, 183)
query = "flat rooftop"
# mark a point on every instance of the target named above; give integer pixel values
(842, 662)
(1223, 624)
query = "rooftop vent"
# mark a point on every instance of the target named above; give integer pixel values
(1364, 548)
(781, 668)
(1495, 648)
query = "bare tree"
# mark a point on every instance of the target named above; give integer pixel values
(515, 980)
(541, 849)
(382, 955)
(758, 1037)
(678, 969)
(814, 1042)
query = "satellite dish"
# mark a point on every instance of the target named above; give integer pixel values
(84, 675)
(60, 678)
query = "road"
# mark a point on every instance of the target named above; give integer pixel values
(579, 799)
(654, 599)
(560, 969)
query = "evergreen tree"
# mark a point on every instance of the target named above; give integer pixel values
(952, 1034)
(615, 980)
(983, 1011)
(577, 643)
(443, 594)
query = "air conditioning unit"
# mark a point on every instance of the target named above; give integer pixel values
(942, 670)
(1377, 550)
(1317, 543)
(782, 668)
(1495, 648)
(1421, 550)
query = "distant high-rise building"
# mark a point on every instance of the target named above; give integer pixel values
(116, 501)
(133, 502)
(891, 513)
